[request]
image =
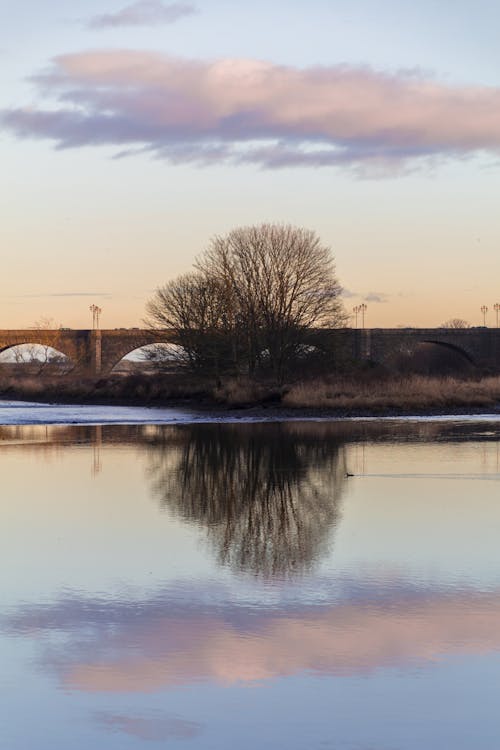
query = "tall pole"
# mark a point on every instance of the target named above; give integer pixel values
(484, 310)
(496, 308)
(96, 313)
(355, 311)
(363, 308)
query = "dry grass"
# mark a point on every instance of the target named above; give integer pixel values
(415, 392)
(375, 394)
(134, 389)
(245, 392)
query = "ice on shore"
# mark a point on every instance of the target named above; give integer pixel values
(28, 413)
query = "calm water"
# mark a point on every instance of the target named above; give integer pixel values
(225, 586)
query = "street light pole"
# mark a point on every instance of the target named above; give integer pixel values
(484, 310)
(356, 311)
(96, 313)
(363, 308)
(496, 308)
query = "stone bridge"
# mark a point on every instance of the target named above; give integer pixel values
(479, 346)
(97, 352)
(91, 352)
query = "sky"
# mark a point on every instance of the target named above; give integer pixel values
(133, 132)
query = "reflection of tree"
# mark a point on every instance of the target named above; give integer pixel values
(267, 494)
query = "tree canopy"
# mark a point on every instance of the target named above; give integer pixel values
(251, 299)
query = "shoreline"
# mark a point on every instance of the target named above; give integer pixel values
(333, 397)
(260, 412)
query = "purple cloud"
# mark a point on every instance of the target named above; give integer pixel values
(248, 111)
(143, 13)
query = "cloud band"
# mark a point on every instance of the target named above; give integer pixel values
(249, 111)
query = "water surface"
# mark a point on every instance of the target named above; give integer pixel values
(230, 585)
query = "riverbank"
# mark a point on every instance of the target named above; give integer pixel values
(335, 396)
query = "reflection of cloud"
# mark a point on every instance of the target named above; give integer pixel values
(151, 728)
(241, 111)
(158, 644)
(143, 13)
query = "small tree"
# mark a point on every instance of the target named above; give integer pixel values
(455, 323)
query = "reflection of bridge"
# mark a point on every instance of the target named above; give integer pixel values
(97, 352)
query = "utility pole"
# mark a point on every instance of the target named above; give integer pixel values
(356, 310)
(496, 308)
(484, 310)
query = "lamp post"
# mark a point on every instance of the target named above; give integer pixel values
(496, 308)
(96, 313)
(484, 310)
(362, 309)
(356, 310)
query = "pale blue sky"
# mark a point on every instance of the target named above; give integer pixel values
(77, 222)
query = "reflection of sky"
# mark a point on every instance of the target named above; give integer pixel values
(386, 521)
(118, 627)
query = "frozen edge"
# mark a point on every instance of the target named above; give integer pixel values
(32, 413)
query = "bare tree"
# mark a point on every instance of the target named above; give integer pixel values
(280, 282)
(253, 299)
(455, 323)
(193, 307)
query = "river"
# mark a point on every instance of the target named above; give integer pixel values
(185, 581)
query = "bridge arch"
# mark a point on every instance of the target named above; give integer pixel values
(161, 353)
(424, 355)
(35, 351)
(451, 347)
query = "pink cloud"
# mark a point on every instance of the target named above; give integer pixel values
(240, 111)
